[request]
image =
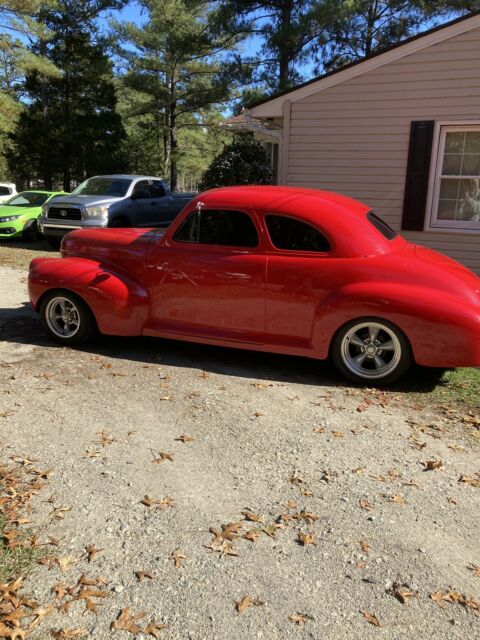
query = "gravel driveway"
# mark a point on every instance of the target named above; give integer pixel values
(349, 501)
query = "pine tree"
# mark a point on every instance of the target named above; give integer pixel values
(175, 64)
(70, 128)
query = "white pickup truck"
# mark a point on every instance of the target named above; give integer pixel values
(112, 201)
(7, 190)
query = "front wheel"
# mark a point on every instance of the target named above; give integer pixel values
(66, 318)
(371, 350)
(30, 231)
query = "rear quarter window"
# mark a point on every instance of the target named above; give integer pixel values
(385, 229)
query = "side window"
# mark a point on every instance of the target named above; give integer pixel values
(295, 235)
(141, 190)
(156, 189)
(227, 228)
(188, 231)
(4, 191)
(220, 227)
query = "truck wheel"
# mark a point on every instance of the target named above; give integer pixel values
(119, 222)
(30, 231)
(371, 351)
(66, 318)
(54, 242)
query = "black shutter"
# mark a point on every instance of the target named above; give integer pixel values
(418, 171)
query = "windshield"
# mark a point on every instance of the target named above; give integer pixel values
(28, 199)
(114, 187)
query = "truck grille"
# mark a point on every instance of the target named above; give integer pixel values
(64, 213)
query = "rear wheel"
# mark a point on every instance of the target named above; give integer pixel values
(66, 318)
(30, 231)
(371, 350)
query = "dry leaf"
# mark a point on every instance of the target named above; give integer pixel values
(178, 557)
(291, 504)
(338, 434)
(432, 465)
(300, 618)
(154, 628)
(364, 546)
(141, 575)
(92, 552)
(127, 621)
(475, 569)
(252, 517)
(396, 499)
(306, 538)
(246, 602)
(184, 438)
(65, 634)
(474, 482)
(319, 430)
(252, 534)
(365, 504)
(371, 618)
(66, 562)
(162, 457)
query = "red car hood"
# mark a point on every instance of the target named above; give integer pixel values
(123, 248)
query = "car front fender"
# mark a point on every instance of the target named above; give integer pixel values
(119, 303)
(443, 331)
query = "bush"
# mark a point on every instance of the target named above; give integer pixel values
(243, 161)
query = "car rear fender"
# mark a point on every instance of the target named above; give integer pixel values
(119, 303)
(437, 326)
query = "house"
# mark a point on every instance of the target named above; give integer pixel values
(399, 130)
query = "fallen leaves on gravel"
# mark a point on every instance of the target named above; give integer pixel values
(252, 517)
(396, 499)
(299, 618)
(475, 570)
(246, 602)
(364, 546)
(371, 618)
(105, 438)
(402, 592)
(65, 562)
(252, 534)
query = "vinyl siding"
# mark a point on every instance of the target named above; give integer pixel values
(353, 137)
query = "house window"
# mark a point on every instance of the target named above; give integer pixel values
(456, 195)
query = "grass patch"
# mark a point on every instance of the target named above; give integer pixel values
(17, 561)
(460, 385)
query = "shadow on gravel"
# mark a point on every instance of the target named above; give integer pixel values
(22, 326)
(40, 245)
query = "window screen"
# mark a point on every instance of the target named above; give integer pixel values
(294, 235)
(385, 229)
(219, 227)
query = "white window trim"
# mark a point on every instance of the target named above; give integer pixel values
(431, 222)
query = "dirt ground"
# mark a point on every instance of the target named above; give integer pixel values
(356, 506)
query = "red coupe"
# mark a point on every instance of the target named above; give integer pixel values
(276, 269)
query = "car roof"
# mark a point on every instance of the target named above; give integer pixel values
(126, 176)
(342, 219)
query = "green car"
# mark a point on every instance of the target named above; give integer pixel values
(19, 214)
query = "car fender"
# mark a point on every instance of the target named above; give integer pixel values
(437, 326)
(119, 303)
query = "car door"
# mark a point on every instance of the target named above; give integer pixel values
(300, 274)
(209, 278)
(162, 210)
(140, 203)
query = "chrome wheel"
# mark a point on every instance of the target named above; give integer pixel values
(62, 317)
(371, 350)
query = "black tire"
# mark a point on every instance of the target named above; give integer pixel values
(83, 322)
(377, 362)
(54, 242)
(119, 223)
(30, 231)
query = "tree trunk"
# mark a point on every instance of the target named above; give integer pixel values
(46, 171)
(285, 53)
(173, 134)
